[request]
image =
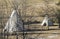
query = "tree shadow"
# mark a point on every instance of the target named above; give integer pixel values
(58, 17)
(30, 22)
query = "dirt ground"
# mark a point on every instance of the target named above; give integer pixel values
(50, 34)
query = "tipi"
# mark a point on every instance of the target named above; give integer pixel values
(47, 21)
(14, 23)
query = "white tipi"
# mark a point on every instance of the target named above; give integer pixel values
(14, 23)
(47, 21)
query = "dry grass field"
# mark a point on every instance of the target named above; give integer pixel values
(33, 10)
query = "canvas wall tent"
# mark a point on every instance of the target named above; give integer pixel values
(47, 21)
(14, 23)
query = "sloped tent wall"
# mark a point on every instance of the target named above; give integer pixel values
(47, 21)
(13, 24)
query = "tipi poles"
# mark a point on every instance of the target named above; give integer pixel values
(24, 13)
(16, 35)
(23, 31)
(7, 36)
(8, 32)
(4, 35)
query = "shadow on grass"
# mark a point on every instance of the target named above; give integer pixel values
(58, 17)
(30, 22)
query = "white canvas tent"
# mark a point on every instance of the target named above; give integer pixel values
(14, 23)
(47, 21)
